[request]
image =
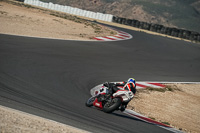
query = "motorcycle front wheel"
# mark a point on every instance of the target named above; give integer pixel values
(90, 101)
(109, 107)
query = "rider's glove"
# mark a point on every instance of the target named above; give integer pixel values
(106, 84)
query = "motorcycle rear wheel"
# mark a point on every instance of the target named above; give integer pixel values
(109, 107)
(90, 101)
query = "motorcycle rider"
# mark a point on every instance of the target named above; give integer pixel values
(128, 85)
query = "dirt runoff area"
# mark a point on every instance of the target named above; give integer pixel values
(13, 121)
(21, 19)
(178, 105)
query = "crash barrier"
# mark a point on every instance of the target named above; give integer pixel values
(71, 10)
(180, 33)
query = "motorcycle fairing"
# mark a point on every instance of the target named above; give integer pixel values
(125, 95)
(97, 104)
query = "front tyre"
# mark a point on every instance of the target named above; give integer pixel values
(109, 107)
(90, 101)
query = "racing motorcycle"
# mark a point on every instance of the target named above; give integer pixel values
(103, 100)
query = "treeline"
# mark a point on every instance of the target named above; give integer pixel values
(180, 33)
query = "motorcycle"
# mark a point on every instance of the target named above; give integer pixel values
(103, 100)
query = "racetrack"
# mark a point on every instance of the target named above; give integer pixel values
(52, 78)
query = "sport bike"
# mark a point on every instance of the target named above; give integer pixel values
(102, 99)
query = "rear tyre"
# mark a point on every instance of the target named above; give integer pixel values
(109, 107)
(90, 101)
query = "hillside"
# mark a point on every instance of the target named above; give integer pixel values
(173, 13)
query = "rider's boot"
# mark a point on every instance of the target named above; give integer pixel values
(122, 108)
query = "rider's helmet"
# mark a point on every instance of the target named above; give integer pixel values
(130, 85)
(131, 80)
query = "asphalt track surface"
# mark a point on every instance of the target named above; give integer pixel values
(52, 78)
